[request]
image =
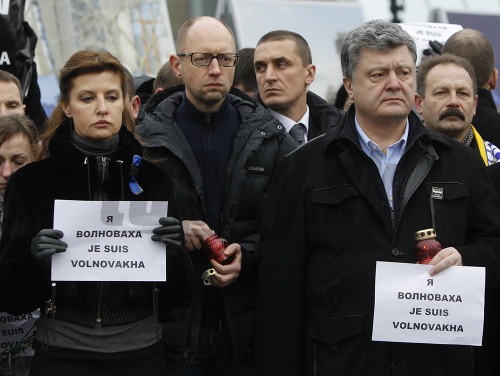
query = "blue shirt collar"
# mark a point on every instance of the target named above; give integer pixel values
(368, 145)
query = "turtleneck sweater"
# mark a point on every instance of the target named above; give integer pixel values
(211, 137)
(95, 148)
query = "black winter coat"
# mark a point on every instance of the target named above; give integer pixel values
(29, 207)
(326, 223)
(487, 119)
(260, 143)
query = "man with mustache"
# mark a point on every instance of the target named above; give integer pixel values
(446, 98)
(477, 49)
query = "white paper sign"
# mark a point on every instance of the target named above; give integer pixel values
(15, 329)
(109, 241)
(412, 306)
(423, 33)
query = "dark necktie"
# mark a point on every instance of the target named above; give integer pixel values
(298, 133)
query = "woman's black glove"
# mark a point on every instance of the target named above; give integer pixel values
(170, 232)
(45, 244)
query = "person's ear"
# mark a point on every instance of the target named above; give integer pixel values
(492, 83)
(418, 104)
(348, 87)
(310, 74)
(175, 63)
(65, 109)
(136, 105)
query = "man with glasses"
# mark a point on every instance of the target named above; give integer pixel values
(221, 149)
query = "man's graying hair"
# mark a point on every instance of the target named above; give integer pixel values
(375, 35)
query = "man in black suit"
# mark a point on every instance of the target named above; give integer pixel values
(475, 47)
(284, 69)
(353, 197)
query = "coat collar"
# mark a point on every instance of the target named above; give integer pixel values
(158, 130)
(72, 160)
(346, 132)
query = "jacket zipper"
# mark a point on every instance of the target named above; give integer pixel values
(120, 163)
(207, 119)
(98, 319)
(103, 161)
(155, 310)
(99, 301)
(86, 163)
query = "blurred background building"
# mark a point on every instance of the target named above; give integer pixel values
(141, 33)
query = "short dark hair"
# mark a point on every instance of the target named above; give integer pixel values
(244, 73)
(430, 62)
(477, 49)
(166, 78)
(301, 46)
(9, 77)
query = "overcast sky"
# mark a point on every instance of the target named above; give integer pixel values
(419, 10)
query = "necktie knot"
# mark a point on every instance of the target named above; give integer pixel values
(298, 133)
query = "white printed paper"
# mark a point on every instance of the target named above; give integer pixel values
(412, 306)
(16, 330)
(423, 33)
(109, 241)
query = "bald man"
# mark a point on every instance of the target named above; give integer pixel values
(222, 150)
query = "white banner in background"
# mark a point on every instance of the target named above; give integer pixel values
(423, 33)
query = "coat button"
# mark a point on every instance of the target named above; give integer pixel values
(395, 252)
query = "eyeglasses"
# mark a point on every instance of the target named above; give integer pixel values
(204, 59)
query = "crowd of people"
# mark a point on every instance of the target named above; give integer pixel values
(280, 204)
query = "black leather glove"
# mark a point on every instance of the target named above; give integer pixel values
(170, 232)
(45, 244)
(436, 48)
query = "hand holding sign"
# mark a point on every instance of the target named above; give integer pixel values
(111, 240)
(412, 307)
(170, 233)
(45, 244)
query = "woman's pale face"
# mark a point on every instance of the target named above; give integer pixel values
(15, 152)
(96, 105)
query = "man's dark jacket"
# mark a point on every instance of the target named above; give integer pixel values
(326, 223)
(261, 142)
(322, 114)
(487, 118)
